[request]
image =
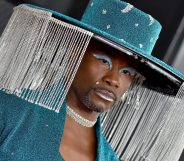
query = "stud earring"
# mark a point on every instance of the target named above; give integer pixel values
(97, 82)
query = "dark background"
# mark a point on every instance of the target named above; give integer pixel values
(170, 46)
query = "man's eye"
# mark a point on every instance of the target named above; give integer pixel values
(128, 71)
(104, 59)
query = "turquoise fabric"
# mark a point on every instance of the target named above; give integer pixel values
(130, 26)
(29, 132)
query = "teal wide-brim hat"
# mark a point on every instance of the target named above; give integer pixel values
(126, 28)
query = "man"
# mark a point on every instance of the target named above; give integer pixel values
(103, 76)
(40, 43)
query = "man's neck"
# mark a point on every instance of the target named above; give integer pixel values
(78, 141)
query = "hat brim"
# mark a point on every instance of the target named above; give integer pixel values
(168, 72)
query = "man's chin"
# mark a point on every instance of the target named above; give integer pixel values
(97, 105)
(98, 108)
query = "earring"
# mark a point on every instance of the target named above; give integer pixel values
(97, 82)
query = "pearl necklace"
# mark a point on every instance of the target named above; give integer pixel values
(79, 119)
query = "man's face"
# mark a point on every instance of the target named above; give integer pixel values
(103, 76)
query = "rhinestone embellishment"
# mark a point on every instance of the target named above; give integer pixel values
(79, 119)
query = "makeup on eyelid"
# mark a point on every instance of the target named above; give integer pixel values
(123, 70)
(130, 70)
(103, 57)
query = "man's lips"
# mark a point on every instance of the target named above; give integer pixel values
(106, 94)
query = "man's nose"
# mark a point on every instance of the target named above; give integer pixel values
(112, 78)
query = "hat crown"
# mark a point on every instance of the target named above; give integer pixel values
(124, 24)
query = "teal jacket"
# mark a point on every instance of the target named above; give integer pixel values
(29, 132)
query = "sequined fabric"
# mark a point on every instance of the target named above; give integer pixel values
(29, 132)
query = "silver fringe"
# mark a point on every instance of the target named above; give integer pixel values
(152, 132)
(39, 56)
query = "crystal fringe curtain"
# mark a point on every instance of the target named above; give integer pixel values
(39, 56)
(151, 131)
